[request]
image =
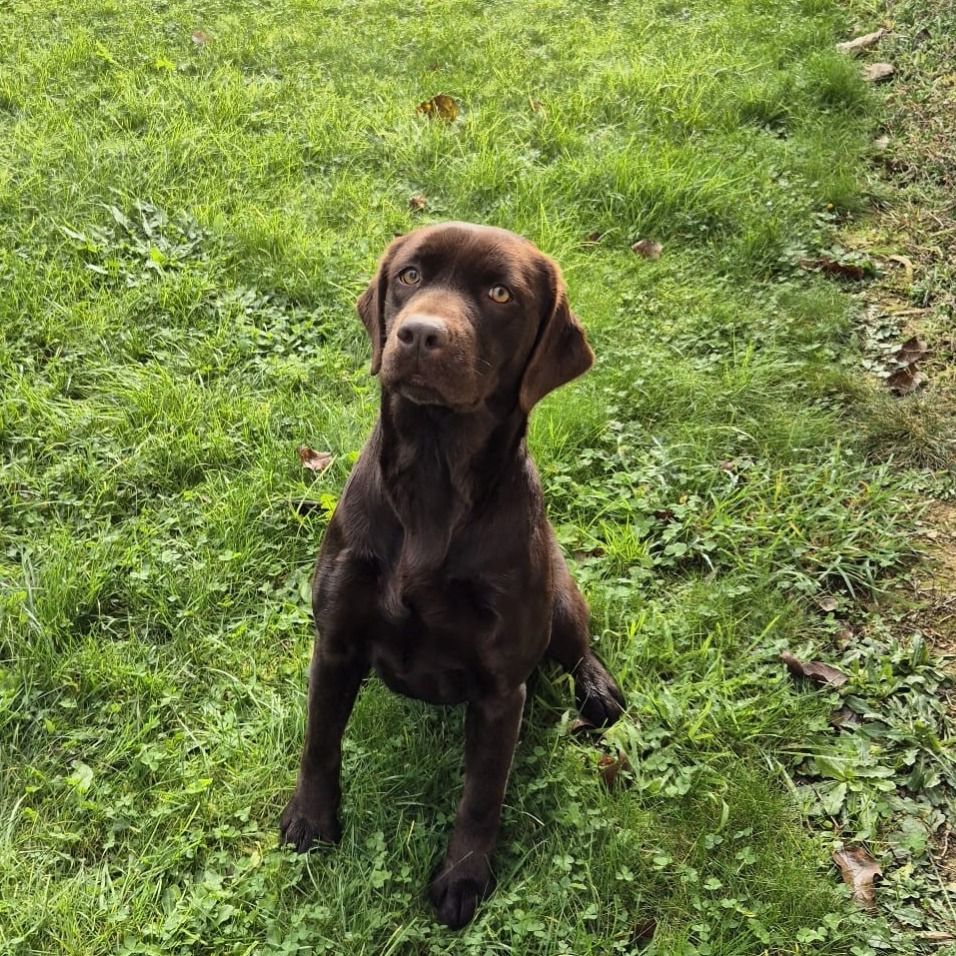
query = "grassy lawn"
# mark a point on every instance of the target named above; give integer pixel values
(185, 223)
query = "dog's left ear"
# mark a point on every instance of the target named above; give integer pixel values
(371, 305)
(561, 352)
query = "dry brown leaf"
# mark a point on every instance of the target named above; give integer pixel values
(912, 350)
(906, 263)
(859, 871)
(905, 380)
(200, 37)
(844, 717)
(610, 768)
(878, 72)
(816, 671)
(844, 635)
(827, 603)
(833, 267)
(417, 202)
(441, 106)
(647, 248)
(313, 460)
(859, 44)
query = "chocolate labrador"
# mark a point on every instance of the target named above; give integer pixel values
(439, 569)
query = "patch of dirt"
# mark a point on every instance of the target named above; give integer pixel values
(913, 238)
(935, 581)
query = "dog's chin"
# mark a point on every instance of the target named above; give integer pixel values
(415, 389)
(422, 394)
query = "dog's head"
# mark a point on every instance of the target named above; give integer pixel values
(460, 314)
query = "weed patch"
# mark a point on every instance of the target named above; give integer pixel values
(184, 226)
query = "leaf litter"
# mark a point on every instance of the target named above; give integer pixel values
(647, 249)
(441, 106)
(906, 377)
(317, 461)
(610, 768)
(816, 671)
(861, 43)
(878, 72)
(860, 872)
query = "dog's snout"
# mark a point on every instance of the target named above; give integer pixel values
(423, 334)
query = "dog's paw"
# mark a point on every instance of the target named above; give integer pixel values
(457, 888)
(304, 830)
(599, 700)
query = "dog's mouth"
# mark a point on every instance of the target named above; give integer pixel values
(416, 388)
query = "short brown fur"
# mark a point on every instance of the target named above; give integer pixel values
(439, 569)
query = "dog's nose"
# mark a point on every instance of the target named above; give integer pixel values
(423, 334)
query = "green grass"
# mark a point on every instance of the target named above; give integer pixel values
(183, 231)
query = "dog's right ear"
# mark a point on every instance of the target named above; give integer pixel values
(371, 305)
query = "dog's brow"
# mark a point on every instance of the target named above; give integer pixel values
(489, 262)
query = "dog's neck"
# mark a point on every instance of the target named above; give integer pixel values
(440, 466)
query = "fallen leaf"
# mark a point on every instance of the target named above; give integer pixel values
(859, 871)
(728, 466)
(842, 270)
(912, 350)
(417, 202)
(200, 37)
(827, 603)
(441, 106)
(816, 671)
(878, 72)
(905, 380)
(858, 44)
(647, 248)
(315, 460)
(906, 263)
(610, 767)
(935, 936)
(844, 635)
(844, 717)
(881, 144)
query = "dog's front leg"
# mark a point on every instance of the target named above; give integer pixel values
(311, 815)
(465, 877)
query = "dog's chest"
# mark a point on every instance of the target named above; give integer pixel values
(434, 640)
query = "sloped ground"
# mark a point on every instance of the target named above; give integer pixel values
(189, 206)
(918, 217)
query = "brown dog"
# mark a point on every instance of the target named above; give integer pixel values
(439, 568)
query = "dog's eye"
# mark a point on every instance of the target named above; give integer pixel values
(500, 294)
(410, 276)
